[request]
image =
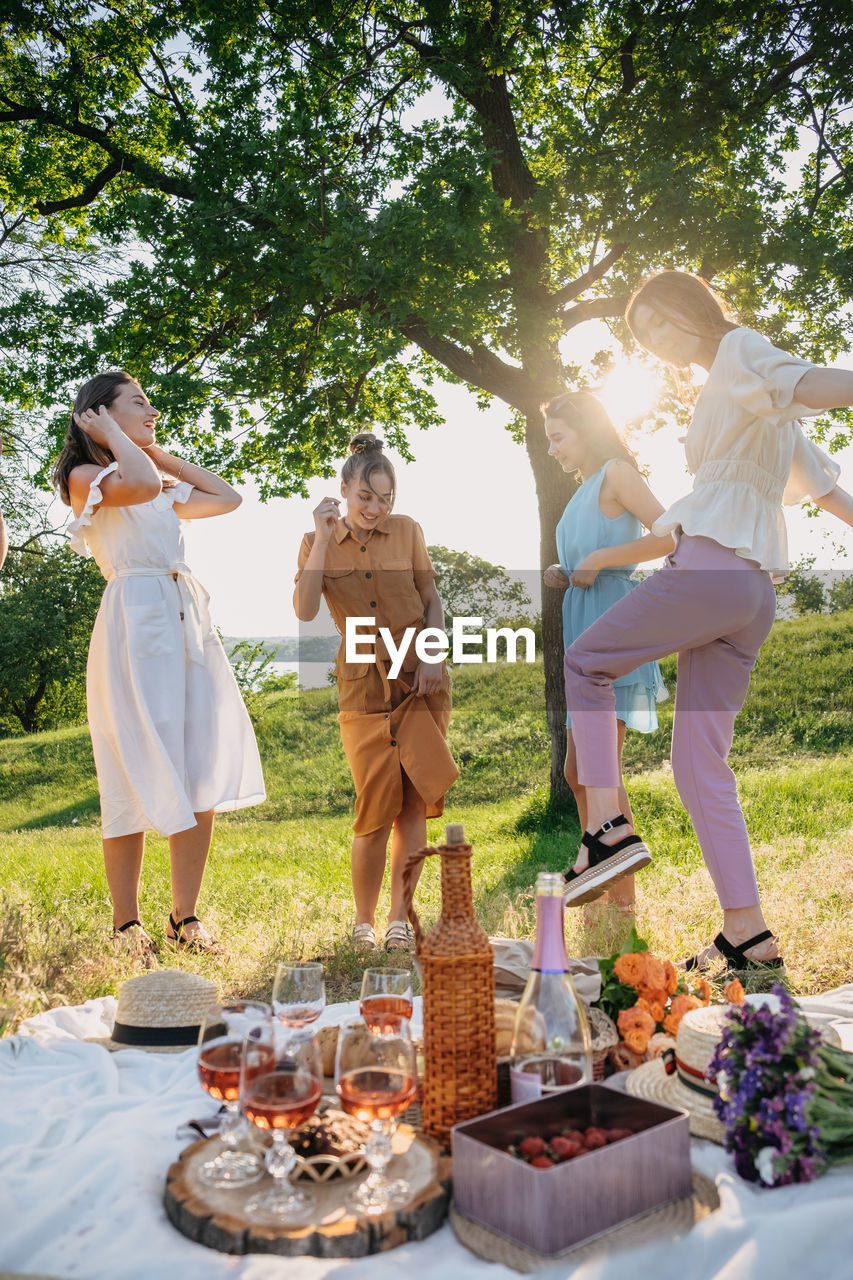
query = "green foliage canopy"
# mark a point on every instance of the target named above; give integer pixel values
(321, 211)
(48, 601)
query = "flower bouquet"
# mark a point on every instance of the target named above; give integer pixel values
(785, 1097)
(647, 998)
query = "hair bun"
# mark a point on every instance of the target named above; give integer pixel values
(365, 442)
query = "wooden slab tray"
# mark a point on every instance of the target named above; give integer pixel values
(216, 1218)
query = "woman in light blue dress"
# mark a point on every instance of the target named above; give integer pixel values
(608, 511)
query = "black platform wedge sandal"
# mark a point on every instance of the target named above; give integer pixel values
(607, 864)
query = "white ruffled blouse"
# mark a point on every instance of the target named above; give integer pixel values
(748, 453)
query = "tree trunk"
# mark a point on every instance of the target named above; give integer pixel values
(553, 490)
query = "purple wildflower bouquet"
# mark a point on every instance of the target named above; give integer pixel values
(785, 1097)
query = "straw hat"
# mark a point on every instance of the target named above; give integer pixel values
(699, 1032)
(160, 1012)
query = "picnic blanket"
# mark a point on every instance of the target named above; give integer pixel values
(86, 1137)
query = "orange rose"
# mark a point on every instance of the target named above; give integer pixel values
(704, 992)
(656, 995)
(677, 1010)
(654, 1008)
(655, 975)
(670, 1024)
(637, 1041)
(635, 1019)
(630, 968)
(683, 1004)
(671, 977)
(734, 991)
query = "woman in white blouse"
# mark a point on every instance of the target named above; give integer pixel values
(713, 602)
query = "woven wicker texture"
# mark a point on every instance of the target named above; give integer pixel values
(458, 985)
(669, 1222)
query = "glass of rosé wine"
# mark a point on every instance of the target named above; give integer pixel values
(383, 992)
(376, 1080)
(282, 1083)
(220, 1052)
(299, 993)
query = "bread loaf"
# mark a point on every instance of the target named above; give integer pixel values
(529, 1041)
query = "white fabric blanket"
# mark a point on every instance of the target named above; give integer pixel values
(86, 1137)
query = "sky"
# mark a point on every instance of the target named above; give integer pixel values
(471, 489)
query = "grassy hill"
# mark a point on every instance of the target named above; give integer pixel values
(278, 882)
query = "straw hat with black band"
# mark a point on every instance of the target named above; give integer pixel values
(160, 1012)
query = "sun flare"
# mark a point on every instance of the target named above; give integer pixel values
(629, 391)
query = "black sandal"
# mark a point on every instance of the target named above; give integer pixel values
(144, 944)
(607, 863)
(200, 945)
(737, 961)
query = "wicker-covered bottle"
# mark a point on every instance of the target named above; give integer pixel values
(458, 984)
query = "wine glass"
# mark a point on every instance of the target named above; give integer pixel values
(299, 993)
(376, 1079)
(281, 1086)
(383, 992)
(220, 1047)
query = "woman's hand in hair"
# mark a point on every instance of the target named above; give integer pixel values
(554, 576)
(99, 425)
(326, 516)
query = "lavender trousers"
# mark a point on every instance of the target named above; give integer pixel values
(715, 610)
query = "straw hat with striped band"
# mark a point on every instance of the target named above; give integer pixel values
(160, 1012)
(699, 1032)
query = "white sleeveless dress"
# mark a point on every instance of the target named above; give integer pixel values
(170, 734)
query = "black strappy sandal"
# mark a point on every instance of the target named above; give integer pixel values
(141, 942)
(607, 864)
(200, 945)
(738, 962)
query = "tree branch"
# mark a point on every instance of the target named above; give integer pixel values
(132, 163)
(595, 309)
(87, 195)
(576, 287)
(479, 366)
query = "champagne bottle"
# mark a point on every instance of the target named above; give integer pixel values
(551, 1047)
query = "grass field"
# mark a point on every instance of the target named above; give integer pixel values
(278, 880)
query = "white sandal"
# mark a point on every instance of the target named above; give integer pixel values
(363, 936)
(399, 936)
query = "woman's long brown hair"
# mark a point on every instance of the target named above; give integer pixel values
(79, 448)
(585, 414)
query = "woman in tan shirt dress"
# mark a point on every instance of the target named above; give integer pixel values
(372, 564)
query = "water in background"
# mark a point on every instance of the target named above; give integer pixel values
(311, 675)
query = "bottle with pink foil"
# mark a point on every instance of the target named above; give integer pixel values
(551, 1046)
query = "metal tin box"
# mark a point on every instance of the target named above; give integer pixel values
(550, 1210)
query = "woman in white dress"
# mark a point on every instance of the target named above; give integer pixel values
(172, 740)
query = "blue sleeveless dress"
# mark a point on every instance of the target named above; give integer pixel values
(585, 528)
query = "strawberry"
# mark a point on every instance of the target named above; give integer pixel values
(565, 1148)
(595, 1138)
(531, 1148)
(542, 1162)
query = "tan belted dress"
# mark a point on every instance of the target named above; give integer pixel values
(386, 731)
(170, 734)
